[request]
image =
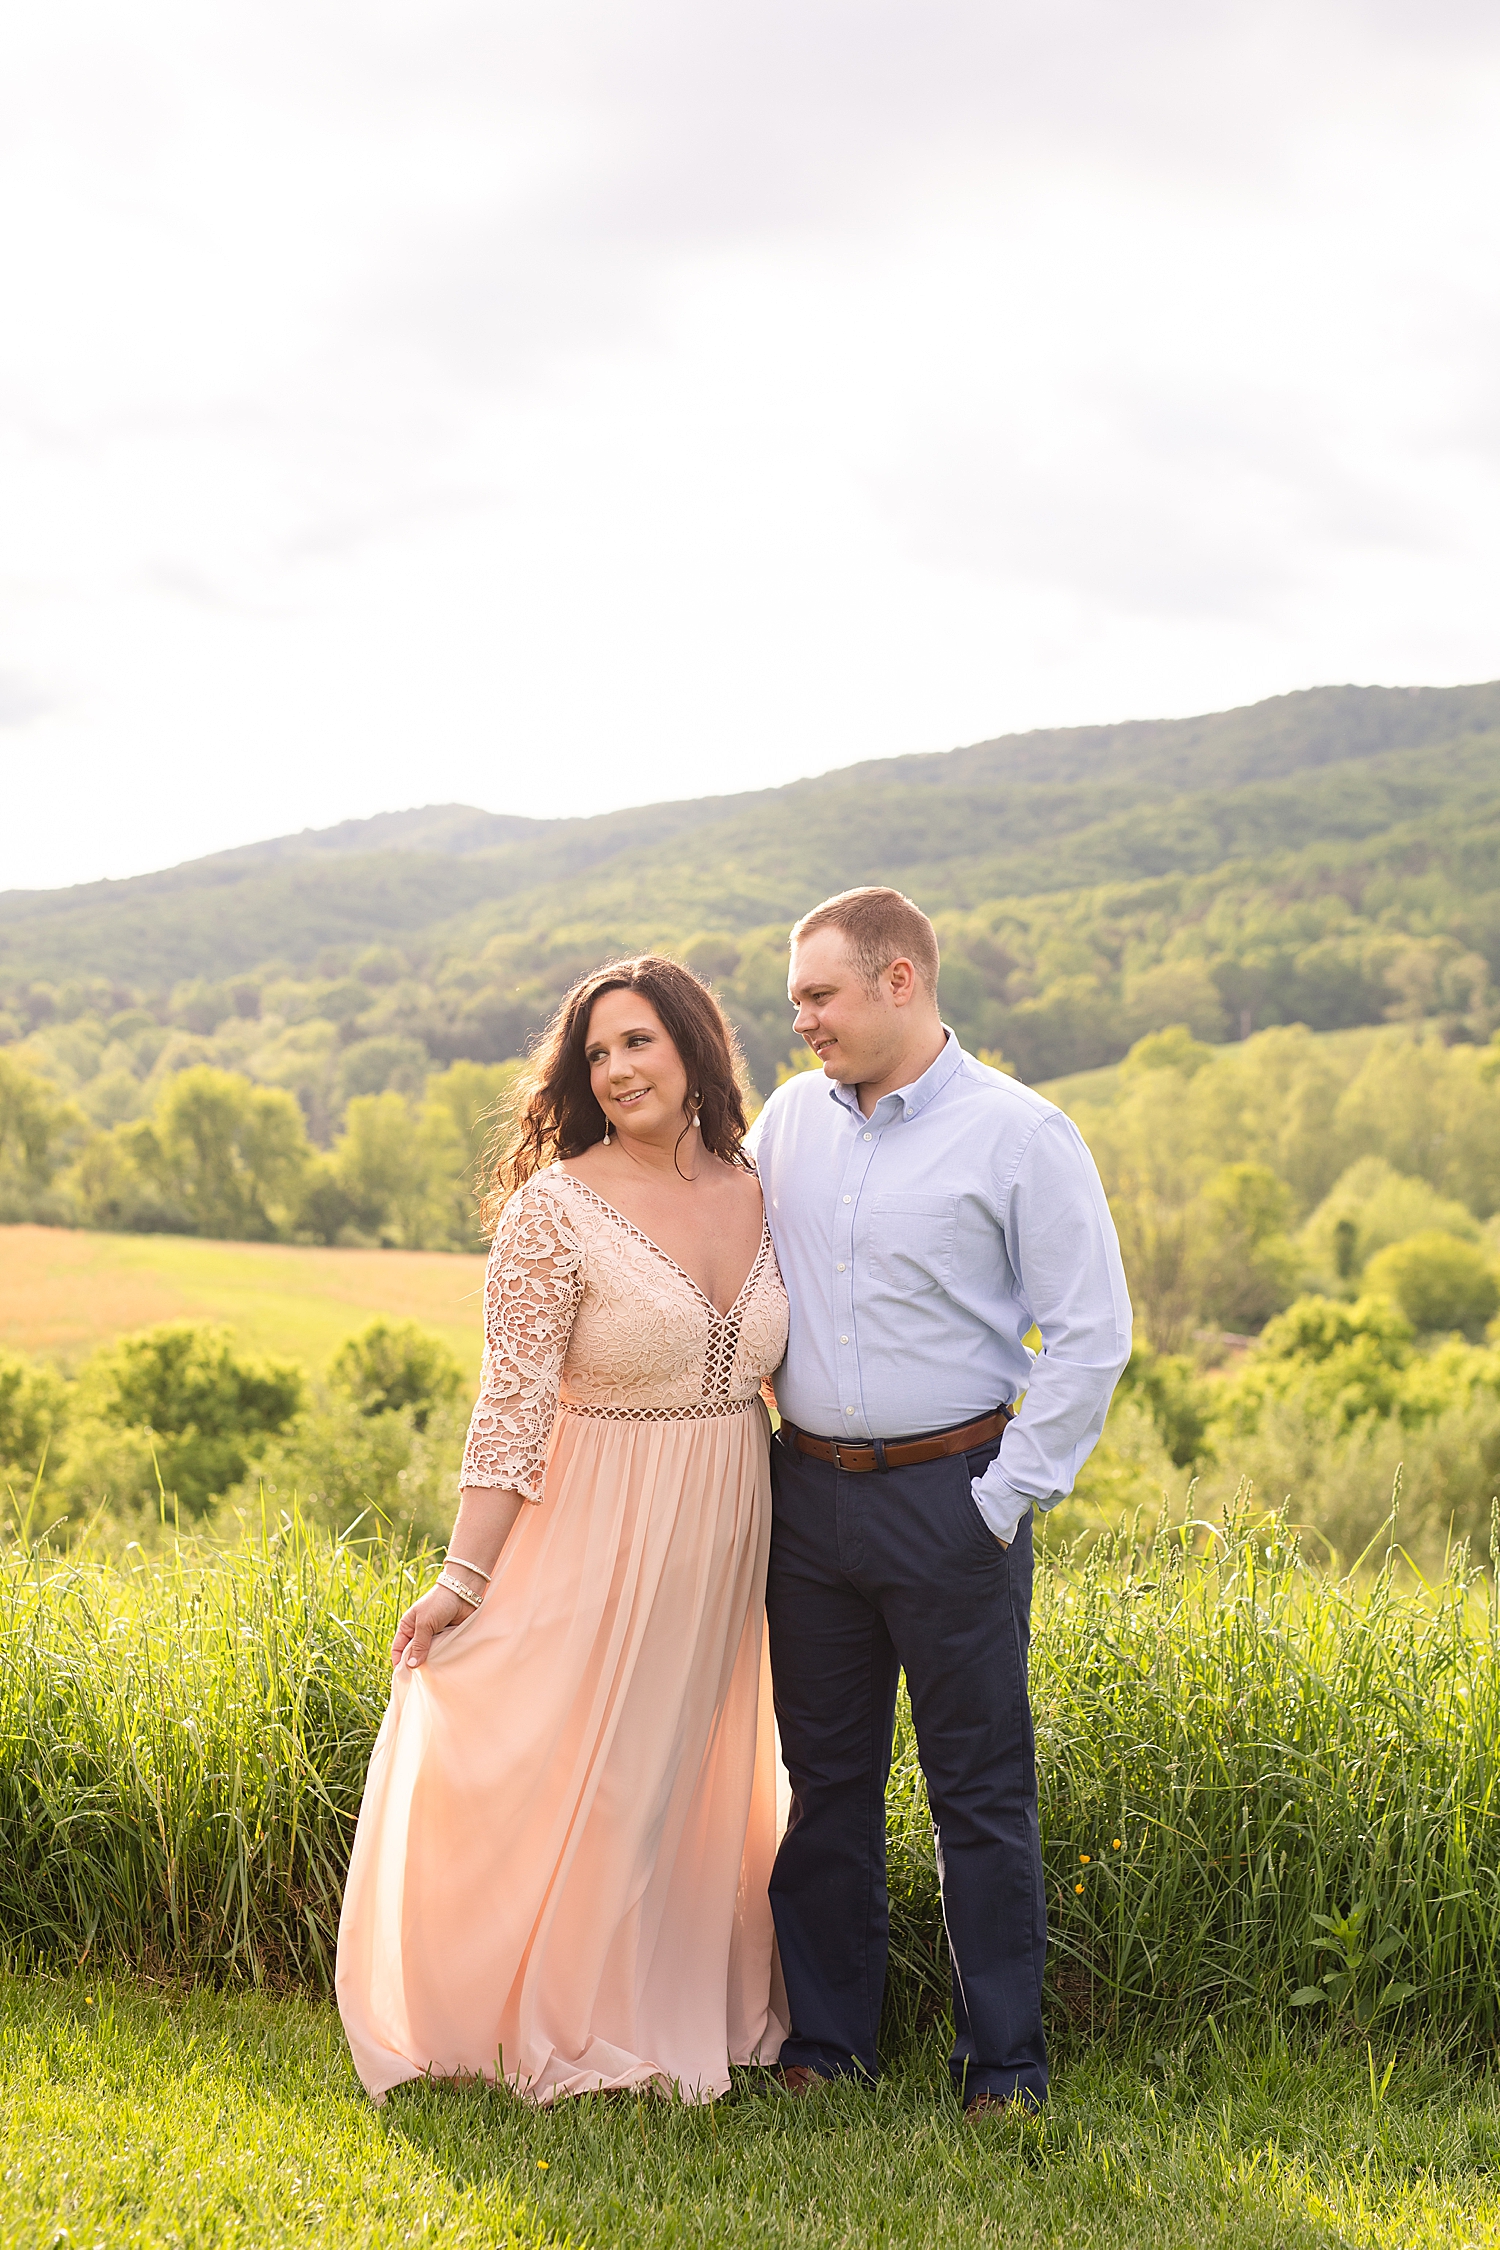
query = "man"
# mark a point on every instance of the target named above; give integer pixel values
(926, 1211)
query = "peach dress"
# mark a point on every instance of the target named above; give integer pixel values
(559, 1876)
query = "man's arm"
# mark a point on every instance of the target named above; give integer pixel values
(1066, 1256)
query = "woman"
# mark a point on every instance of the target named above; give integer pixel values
(559, 1875)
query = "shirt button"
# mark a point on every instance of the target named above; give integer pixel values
(848, 1410)
(843, 1339)
(846, 1199)
(869, 1136)
(841, 1265)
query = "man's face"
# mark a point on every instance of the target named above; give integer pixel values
(853, 1032)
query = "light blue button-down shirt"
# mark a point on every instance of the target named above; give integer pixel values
(920, 1244)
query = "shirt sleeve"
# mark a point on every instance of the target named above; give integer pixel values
(755, 1139)
(1066, 1257)
(532, 1287)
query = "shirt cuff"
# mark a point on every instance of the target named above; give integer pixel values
(1001, 1506)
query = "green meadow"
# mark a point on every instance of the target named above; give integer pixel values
(65, 1292)
(1271, 1821)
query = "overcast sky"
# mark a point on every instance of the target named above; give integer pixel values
(560, 407)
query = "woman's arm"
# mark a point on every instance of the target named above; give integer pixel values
(484, 1522)
(532, 1286)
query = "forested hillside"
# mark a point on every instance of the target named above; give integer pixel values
(1285, 920)
(1328, 858)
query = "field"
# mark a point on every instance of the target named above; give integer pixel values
(64, 1292)
(1273, 1870)
(139, 2116)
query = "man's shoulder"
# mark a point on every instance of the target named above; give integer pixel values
(1003, 1099)
(794, 1097)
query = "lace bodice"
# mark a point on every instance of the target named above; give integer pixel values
(583, 1311)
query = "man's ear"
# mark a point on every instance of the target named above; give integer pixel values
(901, 982)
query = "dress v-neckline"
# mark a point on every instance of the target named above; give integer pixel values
(666, 1257)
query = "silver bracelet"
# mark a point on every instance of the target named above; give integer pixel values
(474, 1600)
(478, 1573)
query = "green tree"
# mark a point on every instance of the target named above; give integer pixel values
(326, 1205)
(1369, 1206)
(1439, 1283)
(388, 1064)
(1173, 1049)
(38, 1132)
(382, 1165)
(1246, 1266)
(464, 1108)
(230, 1156)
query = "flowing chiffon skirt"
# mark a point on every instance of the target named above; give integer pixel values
(560, 1872)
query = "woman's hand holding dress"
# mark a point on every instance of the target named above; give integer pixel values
(486, 1520)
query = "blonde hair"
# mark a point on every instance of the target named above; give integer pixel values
(879, 927)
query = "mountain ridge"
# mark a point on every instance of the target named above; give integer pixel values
(1009, 818)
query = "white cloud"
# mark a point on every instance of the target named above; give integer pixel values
(562, 408)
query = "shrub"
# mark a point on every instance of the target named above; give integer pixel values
(342, 1467)
(33, 1413)
(392, 1364)
(1439, 1283)
(182, 1393)
(1176, 1397)
(1343, 1362)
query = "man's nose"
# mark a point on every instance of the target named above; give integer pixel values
(803, 1018)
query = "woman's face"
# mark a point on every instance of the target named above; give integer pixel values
(634, 1069)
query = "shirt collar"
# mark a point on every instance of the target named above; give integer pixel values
(906, 1101)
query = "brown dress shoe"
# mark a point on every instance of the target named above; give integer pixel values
(999, 2105)
(799, 2078)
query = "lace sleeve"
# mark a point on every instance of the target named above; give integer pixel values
(532, 1286)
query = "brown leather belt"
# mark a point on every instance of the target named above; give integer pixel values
(901, 1453)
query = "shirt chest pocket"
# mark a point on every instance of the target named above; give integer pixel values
(909, 1240)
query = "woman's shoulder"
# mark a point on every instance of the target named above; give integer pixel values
(545, 1197)
(742, 1182)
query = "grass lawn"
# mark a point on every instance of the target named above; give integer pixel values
(131, 2116)
(64, 1292)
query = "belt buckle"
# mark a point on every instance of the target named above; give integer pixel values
(865, 1445)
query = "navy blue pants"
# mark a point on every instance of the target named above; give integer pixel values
(871, 1575)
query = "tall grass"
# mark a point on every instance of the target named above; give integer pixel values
(1262, 1789)
(183, 1741)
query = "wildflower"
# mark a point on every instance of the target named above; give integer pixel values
(1116, 1843)
(541, 2164)
(1083, 1859)
(1078, 1886)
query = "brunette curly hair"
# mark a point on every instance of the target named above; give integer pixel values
(554, 1113)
